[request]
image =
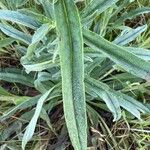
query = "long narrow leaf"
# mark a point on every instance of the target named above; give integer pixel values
(12, 32)
(97, 6)
(48, 8)
(125, 101)
(17, 17)
(140, 52)
(119, 55)
(30, 102)
(130, 35)
(38, 66)
(15, 75)
(72, 70)
(37, 37)
(102, 91)
(133, 14)
(31, 127)
(26, 104)
(40, 33)
(6, 42)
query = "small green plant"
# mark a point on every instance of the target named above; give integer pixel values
(79, 53)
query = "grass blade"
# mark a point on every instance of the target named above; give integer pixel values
(26, 104)
(72, 70)
(31, 102)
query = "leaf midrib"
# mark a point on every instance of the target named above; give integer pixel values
(72, 62)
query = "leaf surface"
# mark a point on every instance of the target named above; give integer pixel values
(19, 18)
(72, 71)
(119, 55)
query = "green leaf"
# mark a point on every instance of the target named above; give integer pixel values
(29, 54)
(39, 66)
(5, 42)
(31, 127)
(43, 82)
(132, 14)
(30, 102)
(131, 104)
(8, 97)
(39, 17)
(36, 38)
(72, 71)
(16, 75)
(6, 133)
(12, 32)
(129, 35)
(146, 43)
(4, 92)
(26, 104)
(96, 6)
(46, 118)
(96, 62)
(119, 55)
(123, 77)
(125, 101)
(15, 3)
(140, 52)
(48, 8)
(19, 18)
(102, 91)
(121, 6)
(2, 6)
(14, 99)
(40, 33)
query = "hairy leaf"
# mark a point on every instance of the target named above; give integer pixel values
(119, 55)
(125, 101)
(16, 75)
(102, 91)
(31, 127)
(17, 17)
(40, 33)
(140, 52)
(72, 70)
(97, 6)
(12, 32)
(132, 14)
(129, 35)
